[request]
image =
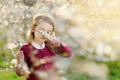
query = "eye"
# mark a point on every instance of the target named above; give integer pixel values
(41, 29)
(49, 32)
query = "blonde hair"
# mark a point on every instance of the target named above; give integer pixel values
(36, 21)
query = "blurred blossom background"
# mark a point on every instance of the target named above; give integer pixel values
(89, 27)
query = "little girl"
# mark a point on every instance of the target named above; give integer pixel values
(35, 59)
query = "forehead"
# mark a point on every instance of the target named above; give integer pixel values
(45, 25)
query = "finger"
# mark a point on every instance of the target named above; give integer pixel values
(20, 55)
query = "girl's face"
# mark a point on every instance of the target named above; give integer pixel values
(44, 27)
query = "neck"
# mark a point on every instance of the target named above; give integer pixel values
(39, 42)
(38, 45)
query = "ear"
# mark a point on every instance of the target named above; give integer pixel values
(32, 29)
(53, 33)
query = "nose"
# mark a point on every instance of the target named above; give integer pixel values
(43, 34)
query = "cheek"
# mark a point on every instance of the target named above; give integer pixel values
(37, 35)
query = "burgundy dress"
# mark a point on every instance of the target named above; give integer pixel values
(34, 55)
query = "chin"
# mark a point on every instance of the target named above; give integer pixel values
(43, 40)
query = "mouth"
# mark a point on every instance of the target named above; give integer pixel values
(43, 38)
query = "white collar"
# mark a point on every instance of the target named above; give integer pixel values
(37, 46)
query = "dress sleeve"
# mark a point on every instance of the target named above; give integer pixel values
(63, 50)
(19, 70)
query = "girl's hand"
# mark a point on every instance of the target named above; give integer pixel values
(20, 56)
(22, 68)
(54, 43)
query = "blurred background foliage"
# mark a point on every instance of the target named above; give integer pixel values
(89, 27)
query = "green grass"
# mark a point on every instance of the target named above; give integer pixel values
(10, 75)
(114, 70)
(114, 73)
(78, 77)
